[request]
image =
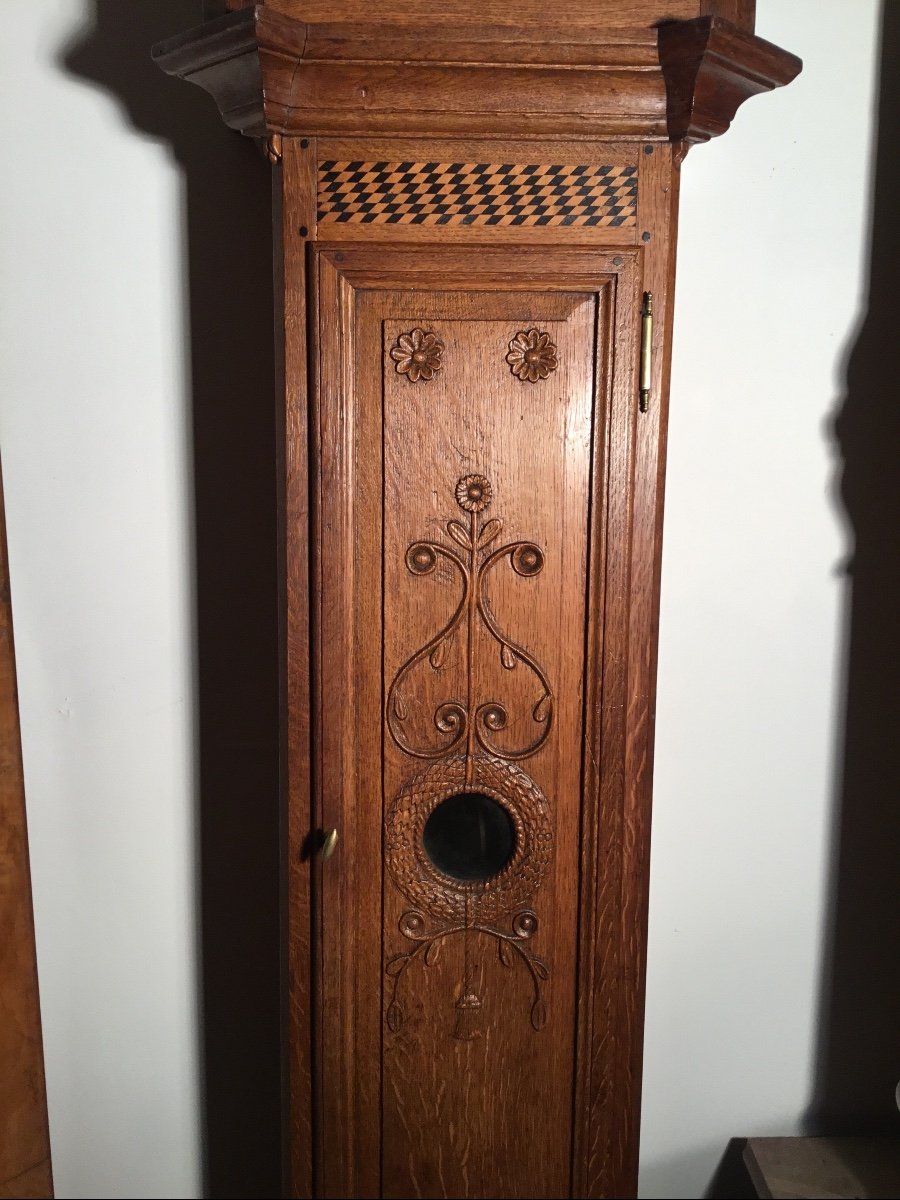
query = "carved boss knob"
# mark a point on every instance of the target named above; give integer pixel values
(532, 355)
(418, 355)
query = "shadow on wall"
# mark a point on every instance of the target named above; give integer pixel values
(858, 1064)
(228, 326)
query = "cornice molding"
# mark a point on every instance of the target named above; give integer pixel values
(271, 74)
(711, 66)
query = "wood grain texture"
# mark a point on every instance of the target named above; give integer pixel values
(24, 1140)
(423, 13)
(294, 209)
(491, 1116)
(331, 74)
(270, 73)
(472, 1095)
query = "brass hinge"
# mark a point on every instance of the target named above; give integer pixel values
(646, 350)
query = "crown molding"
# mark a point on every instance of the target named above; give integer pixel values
(274, 75)
(711, 66)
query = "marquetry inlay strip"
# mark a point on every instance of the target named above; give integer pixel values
(476, 194)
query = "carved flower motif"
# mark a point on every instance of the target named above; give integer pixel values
(473, 493)
(532, 355)
(418, 355)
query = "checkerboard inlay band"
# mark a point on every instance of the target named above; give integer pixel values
(476, 194)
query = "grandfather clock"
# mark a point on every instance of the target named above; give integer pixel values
(476, 211)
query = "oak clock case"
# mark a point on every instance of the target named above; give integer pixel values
(475, 233)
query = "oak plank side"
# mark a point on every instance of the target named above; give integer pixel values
(294, 209)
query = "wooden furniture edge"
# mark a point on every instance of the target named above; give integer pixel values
(272, 75)
(711, 66)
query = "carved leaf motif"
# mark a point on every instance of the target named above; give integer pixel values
(490, 531)
(395, 1016)
(438, 656)
(538, 1015)
(460, 534)
(396, 964)
(542, 709)
(506, 954)
(399, 707)
(540, 969)
(508, 658)
(433, 953)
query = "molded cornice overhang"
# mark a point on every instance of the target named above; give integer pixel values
(272, 74)
(711, 67)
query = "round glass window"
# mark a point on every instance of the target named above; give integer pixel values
(469, 836)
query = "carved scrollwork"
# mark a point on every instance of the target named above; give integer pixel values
(511, 944)
(475, 720)
(497, 908)
(466, 755)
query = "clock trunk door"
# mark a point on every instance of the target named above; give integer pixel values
(472, 418)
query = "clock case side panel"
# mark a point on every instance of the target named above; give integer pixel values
(294, 209)
(616, 849)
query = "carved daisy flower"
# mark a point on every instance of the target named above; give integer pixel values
(473, 493)
(532, 355)
(418, 355)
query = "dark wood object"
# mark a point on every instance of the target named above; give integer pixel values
(477, 212)
(798, 1168)
(24, 1141)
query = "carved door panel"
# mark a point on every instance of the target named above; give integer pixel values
(473, 428)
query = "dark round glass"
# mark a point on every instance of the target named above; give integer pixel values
(469, 836)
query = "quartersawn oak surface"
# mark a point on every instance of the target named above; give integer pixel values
(494, 1112)
(492, 1117)
(340, 1085)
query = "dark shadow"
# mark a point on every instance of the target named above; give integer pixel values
(228, 326)
(859, 1038)
(732, 1180)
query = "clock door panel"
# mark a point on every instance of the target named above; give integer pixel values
(470, 416)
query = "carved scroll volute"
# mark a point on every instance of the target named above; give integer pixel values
(474, 722)
(467, 756)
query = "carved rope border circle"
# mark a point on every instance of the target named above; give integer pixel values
(429, 889)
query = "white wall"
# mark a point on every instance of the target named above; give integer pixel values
(771, 285)
(96, 463)
(95, 460)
